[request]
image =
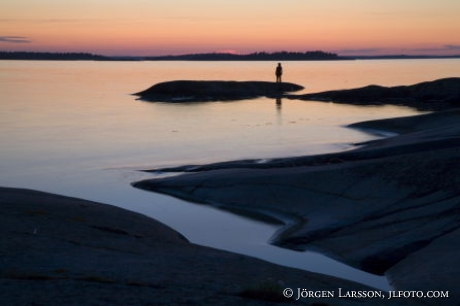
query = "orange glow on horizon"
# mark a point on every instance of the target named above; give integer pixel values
(178, 26)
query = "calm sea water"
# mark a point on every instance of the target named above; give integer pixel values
(73, 128)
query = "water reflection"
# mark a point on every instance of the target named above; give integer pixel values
(279, 117)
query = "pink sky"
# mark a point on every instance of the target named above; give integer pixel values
(143, 27)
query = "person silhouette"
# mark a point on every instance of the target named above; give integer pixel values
(278, 73)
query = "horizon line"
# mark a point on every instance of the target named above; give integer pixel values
(240, 54)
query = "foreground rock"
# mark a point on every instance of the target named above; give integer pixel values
(390, 207)
(203, 91)
(434, 95)
(57, 250)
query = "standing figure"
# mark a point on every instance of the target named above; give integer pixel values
(278, 73)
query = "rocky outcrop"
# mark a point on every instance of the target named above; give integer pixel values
(57, 250)
(203, 91)
(434, 95)
(386, 207)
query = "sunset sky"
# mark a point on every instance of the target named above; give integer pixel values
(159, 27)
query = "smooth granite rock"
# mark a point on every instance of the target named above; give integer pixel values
(203, 91)
(383, 208)
(57, 250)
(433, 95)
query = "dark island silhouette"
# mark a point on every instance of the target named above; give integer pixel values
(433, 95)
(256, 56)
(427, 96)
(214, 56)
(204, 91)
(51, 56)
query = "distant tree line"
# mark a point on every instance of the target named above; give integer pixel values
(257, 56)
(5, 55)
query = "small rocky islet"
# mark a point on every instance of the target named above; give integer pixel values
(205, 91)
(434, 95)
